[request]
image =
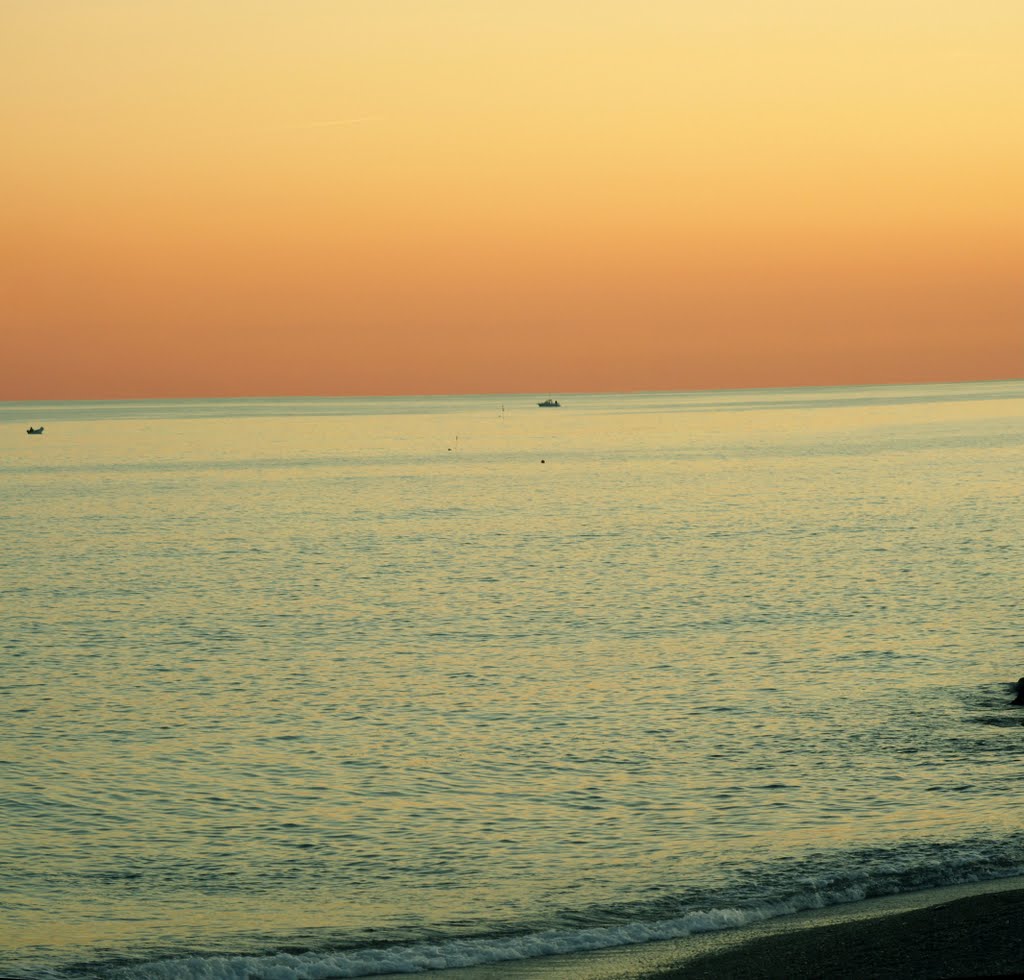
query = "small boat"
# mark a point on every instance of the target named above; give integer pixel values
(549, 403)
(34, 432)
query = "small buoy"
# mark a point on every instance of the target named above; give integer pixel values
(542, 461)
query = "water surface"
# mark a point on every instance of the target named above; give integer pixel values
(357, 685)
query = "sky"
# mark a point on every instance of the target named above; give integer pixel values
(350, 197)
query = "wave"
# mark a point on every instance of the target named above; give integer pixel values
(879, 873)
(453, 953)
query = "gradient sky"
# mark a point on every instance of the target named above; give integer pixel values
(246, 197)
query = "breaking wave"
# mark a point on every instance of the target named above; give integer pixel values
(877, 873)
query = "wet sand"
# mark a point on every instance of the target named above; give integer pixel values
(981, 936)
(973, 930)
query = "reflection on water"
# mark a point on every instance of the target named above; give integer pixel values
(361, 668)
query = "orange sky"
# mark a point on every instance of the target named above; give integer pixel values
(250, 197)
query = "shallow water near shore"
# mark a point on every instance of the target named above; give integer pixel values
(341, 687)
(650, 960)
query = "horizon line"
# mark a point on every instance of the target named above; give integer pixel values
(517, 394)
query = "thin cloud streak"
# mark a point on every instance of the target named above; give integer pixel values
(321, 124)
(341, 122)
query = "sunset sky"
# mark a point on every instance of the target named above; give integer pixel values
(333, 197)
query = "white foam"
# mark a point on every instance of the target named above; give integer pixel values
(454, 953)
(888, 876)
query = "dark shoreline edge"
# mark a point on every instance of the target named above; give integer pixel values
(885, 937)
(978, 936)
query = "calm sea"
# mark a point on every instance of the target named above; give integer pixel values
(305, 688)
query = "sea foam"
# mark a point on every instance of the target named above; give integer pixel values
(478, 951)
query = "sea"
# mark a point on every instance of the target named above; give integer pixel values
(301, 688)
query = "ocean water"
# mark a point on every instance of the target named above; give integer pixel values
(309, 688)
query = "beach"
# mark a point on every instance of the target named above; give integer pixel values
(972, 930)
(969, 937)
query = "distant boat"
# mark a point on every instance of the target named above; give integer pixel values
(34, 432)
(549, 403)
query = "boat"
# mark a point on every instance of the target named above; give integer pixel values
(34, 432)
(549, 403)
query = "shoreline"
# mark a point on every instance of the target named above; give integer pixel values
(975, 929)
(978, 935)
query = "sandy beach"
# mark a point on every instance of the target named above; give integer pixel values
(978, 936)
(973, 930)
